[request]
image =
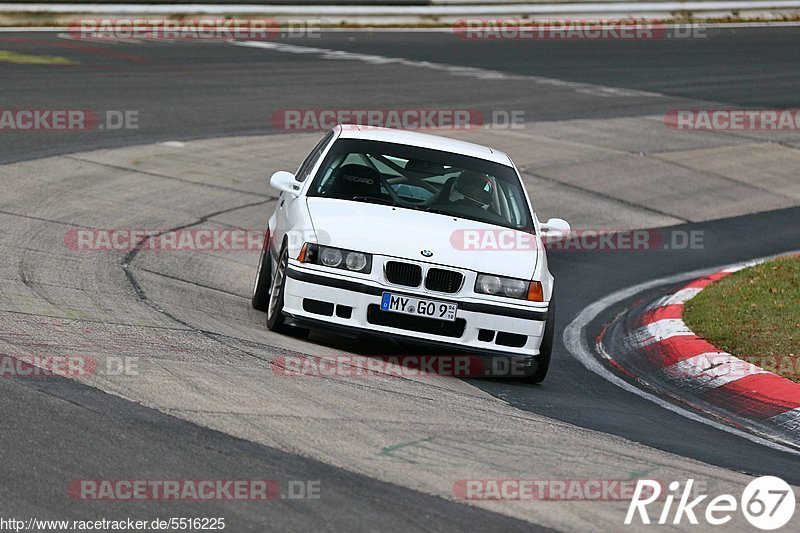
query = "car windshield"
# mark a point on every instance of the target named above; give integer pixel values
(422, 179)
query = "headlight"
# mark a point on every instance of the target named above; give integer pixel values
(356, 261)
(508, 287)
(514, 288)
(330, 257)
(335, 258)
(488, 284)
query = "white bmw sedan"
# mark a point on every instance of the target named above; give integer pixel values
(411, 236)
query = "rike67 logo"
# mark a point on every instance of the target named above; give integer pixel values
(767, 503)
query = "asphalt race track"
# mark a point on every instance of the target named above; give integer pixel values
(235, 91)
(207, 406)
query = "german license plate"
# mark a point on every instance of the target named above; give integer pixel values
(418, 307)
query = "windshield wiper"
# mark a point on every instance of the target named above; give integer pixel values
(372, 200)
(430, 209)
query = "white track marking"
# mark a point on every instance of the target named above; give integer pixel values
(710, 370)
(587, 8)
(68, 37)
(453, 70)
(576, 343)
(789, 420)
(446, 28)
(737, 268)
(660, 330)
(682, 296)
(677, 298)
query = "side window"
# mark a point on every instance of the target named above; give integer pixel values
(313, 157)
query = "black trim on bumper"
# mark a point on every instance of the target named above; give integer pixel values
(378, 291)
(529, 361)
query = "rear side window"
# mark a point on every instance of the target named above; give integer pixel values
(311, 161)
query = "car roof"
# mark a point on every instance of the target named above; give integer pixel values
(423, 140)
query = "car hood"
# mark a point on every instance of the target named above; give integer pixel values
(405, 233)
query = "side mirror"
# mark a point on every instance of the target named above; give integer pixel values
(285, 182)
(555, 228)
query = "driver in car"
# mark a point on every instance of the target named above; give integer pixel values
(472, 190)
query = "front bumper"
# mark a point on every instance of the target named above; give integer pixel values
(323, 299)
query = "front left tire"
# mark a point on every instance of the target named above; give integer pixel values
(546, 348)
(260, 299)
(275, 317)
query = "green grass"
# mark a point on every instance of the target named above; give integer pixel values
(754, 314)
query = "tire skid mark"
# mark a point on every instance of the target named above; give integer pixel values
(130, 257)
(268, 197)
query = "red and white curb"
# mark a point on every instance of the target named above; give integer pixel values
(658, 348)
